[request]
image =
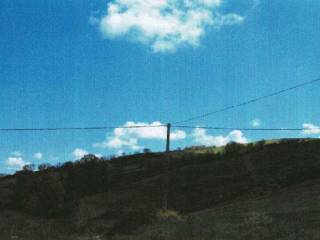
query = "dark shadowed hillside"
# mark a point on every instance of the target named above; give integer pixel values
(263, 190)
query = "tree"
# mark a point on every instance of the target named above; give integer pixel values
(89, 158)
(28, 168)
(146, 150)
(50, 194)
(44, 166)
(233, 148)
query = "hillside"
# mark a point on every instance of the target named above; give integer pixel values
(263, 190)
(291, 213)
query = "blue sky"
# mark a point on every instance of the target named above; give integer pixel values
(99, 63)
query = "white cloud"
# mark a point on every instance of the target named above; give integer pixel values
(119, 153)
(201, 137)
(38, 155)
(119, 142)
(309, 129)
(129, 137)
(15, 162)
(256, 122)
(79, 153)
(151, 132)
(164, 25)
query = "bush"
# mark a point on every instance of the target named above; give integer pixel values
(169, 215)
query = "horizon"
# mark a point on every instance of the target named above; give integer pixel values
(34, 167)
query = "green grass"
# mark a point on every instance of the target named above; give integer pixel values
(204, 150)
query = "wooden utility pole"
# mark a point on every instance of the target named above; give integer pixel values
(166, 171)
(168, 138)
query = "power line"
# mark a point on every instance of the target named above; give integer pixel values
(249, 101)
(78, 128)
(179, 122)
(148, 126)
(244, 129)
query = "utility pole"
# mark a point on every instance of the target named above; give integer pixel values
(168, 138)
(166, 171)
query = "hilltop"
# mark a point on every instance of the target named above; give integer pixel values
(262, 190)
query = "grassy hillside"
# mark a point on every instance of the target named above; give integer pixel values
(293, 213)
(263, 190)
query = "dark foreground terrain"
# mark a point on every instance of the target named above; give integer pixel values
(264, 190)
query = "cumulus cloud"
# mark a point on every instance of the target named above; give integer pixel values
(129, 137)
(201, 137)
(79, 153)
(38, 155)
(164, 25)
(256, 122)
(310, 129)
(119, 153)
(15, 162)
